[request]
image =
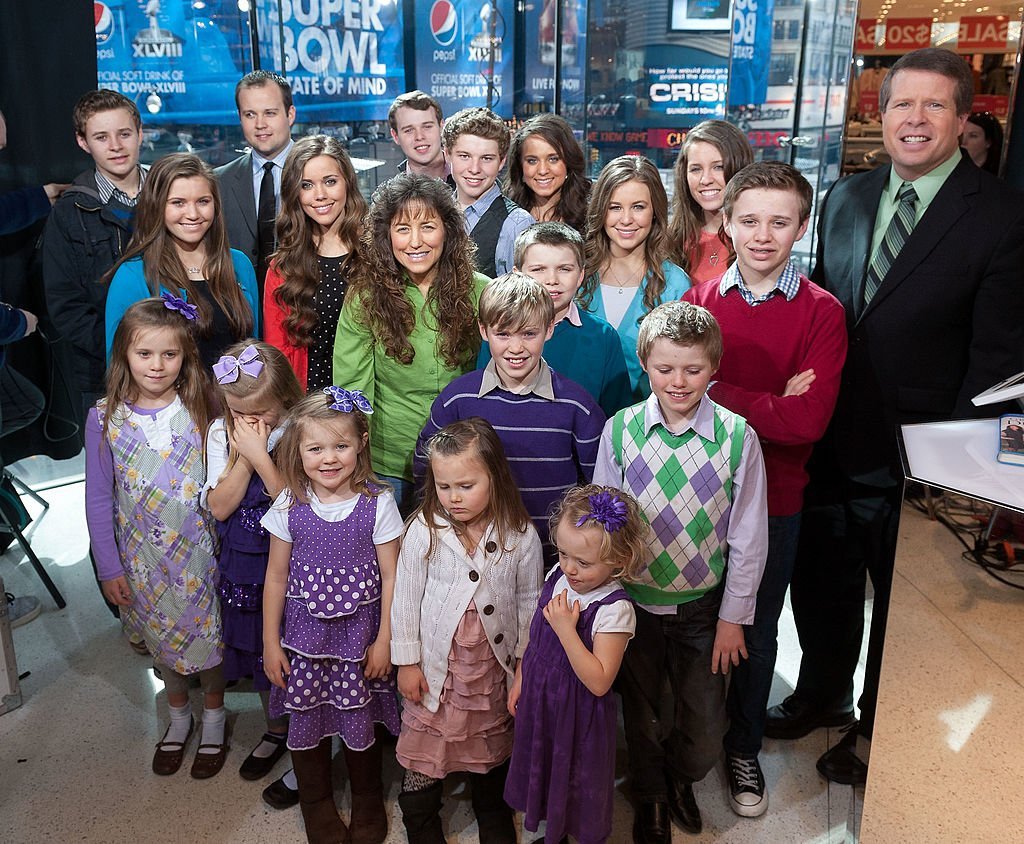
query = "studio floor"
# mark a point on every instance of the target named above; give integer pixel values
(75, 757)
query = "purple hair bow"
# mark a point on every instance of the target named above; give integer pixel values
(174, 303)
(227, 368)
(348, 400)
(607, 510)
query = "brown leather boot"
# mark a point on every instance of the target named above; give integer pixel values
(316, 795)
(369, 821)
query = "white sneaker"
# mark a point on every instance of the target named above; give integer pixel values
(22, 610)
(748, 795)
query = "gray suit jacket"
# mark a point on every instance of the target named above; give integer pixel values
(239, 202)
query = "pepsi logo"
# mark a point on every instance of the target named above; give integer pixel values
(444, 22)
(104, 20)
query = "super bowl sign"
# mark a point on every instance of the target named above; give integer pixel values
(463, 53)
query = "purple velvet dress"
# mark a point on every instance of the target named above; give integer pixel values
(331, 617)
(563, 757)
(242, 564)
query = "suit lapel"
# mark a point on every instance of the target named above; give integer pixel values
(863, 213)
(240, 185)
(943, 213)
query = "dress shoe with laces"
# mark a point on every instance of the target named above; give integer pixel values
(795, 717)
(846, 763)
(651, 824)
(682, 805)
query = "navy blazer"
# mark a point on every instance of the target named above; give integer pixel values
(947, 321)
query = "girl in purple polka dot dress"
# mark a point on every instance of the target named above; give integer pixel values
(257, 387)
(326, 608)
(468, 582)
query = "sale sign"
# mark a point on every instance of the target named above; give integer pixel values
(867, 35)
(983, 33)
(905, 34)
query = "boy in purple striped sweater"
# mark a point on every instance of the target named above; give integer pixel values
(550, 426)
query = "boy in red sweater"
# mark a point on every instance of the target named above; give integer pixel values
(785, 344)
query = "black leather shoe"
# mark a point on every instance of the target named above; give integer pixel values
(651, 824)
(683, 806)
(841, 764)
(280, 796)
(257, 767)
(794, 718)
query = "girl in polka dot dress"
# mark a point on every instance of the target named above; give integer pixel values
(326, 607)
(468, 583)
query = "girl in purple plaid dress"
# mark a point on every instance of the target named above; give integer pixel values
(326, 610)
(152, 540)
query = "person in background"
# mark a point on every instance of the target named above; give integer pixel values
(252, 182)
(416, 122)
(476, 141)
(318, 231)
(546, 172)
(88, 231)
(408, 326)
(627, 271)
(983, 140)
(20, 208)
(180, 246)
(712, 153)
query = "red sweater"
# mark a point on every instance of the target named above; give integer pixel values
(765, 346)
(274, 315)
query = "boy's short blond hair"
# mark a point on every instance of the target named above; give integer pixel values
(478, 121)
(684, 324)
(548, 234)
(515, 301)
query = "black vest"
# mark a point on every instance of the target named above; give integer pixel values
(485, 233)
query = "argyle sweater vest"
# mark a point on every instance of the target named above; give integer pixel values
(684, 486)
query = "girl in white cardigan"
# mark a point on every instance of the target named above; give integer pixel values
(467, 584)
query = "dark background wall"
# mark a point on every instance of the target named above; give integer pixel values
(47, 61)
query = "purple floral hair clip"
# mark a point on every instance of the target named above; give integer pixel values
(174, 303)
(348, 400)
(607, 510)
(227, 369)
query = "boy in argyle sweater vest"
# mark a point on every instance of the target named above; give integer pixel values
(696, 470)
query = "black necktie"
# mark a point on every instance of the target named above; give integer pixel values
(266, 213)
(900, 227)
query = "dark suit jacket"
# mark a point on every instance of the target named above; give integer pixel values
(239, 202)
(947, 321)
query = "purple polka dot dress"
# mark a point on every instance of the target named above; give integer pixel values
(331, 617)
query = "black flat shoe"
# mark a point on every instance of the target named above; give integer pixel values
(794, 718)
(651, 824)
(279, 796)
(682, 805)
(257, 767)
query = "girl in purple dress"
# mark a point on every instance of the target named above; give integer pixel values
(257, 388)
(563, 760)
(152, 540)
(326, 610)
(468, 580)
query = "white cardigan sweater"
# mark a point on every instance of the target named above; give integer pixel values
(431, 596)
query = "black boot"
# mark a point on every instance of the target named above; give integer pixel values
(316, 795)
(494, 818)
(369, 821)
(421, 814)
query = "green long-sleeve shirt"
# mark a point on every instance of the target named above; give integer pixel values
(401, 394)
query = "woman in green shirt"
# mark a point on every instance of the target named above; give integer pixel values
(408, 326)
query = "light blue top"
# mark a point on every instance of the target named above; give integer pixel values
(128, 286)
(677, 283)
(257, 173)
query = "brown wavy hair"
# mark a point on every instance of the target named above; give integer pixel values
(571, 207)
(505, 508)
(618, 171)
(623, 550)
(161, 265)
(316, 409)
(298, 236)
(192, 385)
(687, 215)
(380, 281)
(275, 384)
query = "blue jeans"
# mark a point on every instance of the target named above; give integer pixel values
(752, 678)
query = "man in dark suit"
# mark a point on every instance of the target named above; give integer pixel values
(251, 184)
(927, 258)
